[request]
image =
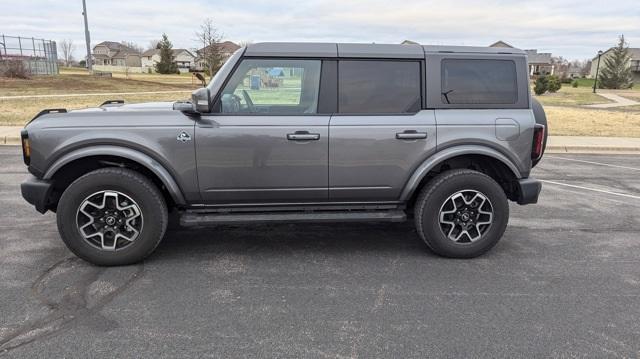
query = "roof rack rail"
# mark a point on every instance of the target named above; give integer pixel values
(112, 102)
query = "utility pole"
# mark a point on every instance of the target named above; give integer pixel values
(87, 38)
(595, 82)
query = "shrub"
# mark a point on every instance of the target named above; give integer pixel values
(541, 85)
(14, 69)
(574, 84)
(553, 83)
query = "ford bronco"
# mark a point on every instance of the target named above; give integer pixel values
(295, 132)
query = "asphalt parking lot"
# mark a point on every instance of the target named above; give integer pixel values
(563, 282)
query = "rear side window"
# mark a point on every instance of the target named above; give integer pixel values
(379, 86)
(468, 81)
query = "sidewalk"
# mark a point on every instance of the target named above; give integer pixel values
(589, 144)
(10, 135)
(618, 101)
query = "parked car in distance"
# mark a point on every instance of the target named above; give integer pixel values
(294, 132)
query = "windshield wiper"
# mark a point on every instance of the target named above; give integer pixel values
(446, 96)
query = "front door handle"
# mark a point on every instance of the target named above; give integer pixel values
(303, 136)
(411, 135)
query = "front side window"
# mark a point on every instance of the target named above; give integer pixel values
(274, 86)
(479, 81)
(379, 87)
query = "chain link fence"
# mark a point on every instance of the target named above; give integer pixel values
(39, 56)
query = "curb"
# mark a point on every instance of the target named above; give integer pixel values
(10, 140)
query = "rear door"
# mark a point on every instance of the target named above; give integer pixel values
(266, 141)
(380, 133)
(482, 99)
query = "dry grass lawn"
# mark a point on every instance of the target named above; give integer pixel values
(77, 81)
(564, 111)
(576, 121)
(20, 111)
(79, 84)
(569, 96)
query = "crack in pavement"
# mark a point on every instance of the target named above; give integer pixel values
(80, 294)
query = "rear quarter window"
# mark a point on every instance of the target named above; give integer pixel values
(479, 81)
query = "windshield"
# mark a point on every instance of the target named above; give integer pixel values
(217, 80)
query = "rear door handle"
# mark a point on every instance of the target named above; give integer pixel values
(411, 135)
(303, 136)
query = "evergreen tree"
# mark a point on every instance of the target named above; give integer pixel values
(166, 64)
(616, 72)
(541, 86)
(553, 83)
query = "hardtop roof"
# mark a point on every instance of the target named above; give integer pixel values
(354, 50)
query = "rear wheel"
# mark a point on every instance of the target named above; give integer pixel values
(112, 216)
(461, 213)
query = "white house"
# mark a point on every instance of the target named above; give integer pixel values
(182, 57)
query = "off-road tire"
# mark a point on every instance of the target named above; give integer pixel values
(134, 185)
(437, 191)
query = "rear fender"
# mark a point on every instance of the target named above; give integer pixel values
(433, 161)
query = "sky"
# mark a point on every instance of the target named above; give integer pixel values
(567, 28)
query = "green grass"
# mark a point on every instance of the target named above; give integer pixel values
(582, 83)
(286, 94)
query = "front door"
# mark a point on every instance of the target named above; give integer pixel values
(265, 142)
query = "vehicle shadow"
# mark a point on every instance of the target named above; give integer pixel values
(278, 239)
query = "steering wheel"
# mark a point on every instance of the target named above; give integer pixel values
(247, 99)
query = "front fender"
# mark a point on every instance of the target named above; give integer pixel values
(128, 153)
(433, 161)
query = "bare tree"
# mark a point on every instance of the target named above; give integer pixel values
(67, 47)
(132, 45)
(586, 68)
(561, 66)
(153, 44)
(210, 53)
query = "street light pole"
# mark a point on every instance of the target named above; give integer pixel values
(87, 38)
(597, 69)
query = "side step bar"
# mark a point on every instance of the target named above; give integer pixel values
(192, 219)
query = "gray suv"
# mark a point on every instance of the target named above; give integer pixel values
(295, 132)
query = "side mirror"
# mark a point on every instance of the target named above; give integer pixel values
(183, 106)
(200, 99)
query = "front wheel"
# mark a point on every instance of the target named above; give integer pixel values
(112, 216)
(461, 213)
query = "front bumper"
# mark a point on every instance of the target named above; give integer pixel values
(37, 192)
(528, 190)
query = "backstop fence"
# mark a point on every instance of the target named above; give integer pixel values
(39, 56)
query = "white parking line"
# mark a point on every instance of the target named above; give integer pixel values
(593, 163)
(592, 189)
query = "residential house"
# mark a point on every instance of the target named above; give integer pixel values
(227, 48)
(182, 57)
(634, 63)
(574, 72)
(539, 62)
(110, 53)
